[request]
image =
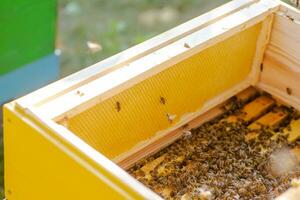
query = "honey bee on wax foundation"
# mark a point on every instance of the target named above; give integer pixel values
(244, 154)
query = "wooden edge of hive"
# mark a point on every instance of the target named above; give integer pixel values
(246, 94)
(290, 194)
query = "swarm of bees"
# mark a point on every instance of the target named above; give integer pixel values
(231, 157)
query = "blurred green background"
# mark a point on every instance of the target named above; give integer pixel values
(89, 31)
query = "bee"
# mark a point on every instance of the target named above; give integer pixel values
(290, 18)
(186, 45)
(261, 67)
(187, 134)
(79, 93)
(118, 106)
(185, 126)
(170, 117)
(162, 100)
(289, 91)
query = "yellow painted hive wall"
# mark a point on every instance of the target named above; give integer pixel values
(186, 86)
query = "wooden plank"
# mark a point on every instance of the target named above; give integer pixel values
(122, 59)
(246, 94)
(256, 108)
(284, 42)
(163, 168)
(252, 110)
(261, 46)
(284, 87)
(290, 194)
(271, 119)
(242, 97)
(294, 131)
(105, 87)
(153, 164)
(282, 58)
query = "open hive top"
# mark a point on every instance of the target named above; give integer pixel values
(249, 152)
(124, 108)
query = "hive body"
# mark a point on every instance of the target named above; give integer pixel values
(84, 131)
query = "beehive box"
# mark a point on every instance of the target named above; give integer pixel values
(75, 138)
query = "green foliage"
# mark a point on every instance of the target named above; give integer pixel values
(27, 31)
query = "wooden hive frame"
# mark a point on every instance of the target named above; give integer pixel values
(50, 108)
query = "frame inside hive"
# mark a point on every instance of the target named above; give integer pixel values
(90, 93)
(229, 22)
(203, 59)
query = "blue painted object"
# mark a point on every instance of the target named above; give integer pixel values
(28, 78)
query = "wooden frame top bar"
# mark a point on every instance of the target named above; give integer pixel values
(93, 92)
(122, 59)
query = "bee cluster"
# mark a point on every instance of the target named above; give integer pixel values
(216, 161)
